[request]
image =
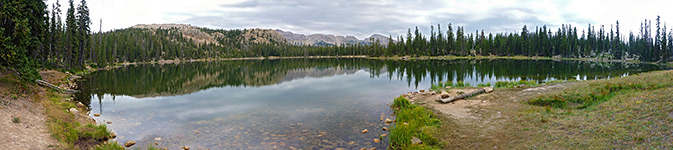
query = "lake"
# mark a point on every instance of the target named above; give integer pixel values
(291, 103)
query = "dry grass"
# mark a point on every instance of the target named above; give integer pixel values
(613, 118)
(634, 112)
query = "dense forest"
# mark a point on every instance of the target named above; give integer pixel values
(34, 36)
(31, 38)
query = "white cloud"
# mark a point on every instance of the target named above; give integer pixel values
(363, 18)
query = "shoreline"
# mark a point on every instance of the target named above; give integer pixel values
(395, 58)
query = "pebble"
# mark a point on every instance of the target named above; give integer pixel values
(185, 147)
(389, 121)
(365, 131)
(109, 122)
(96, 114)
(74, 111)
(415, 140)
(383, 135)
(79, 104)
(385, 128)
(129, 143)
(377, 140)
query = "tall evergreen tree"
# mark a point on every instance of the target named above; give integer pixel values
(71, 43)
(83, 30)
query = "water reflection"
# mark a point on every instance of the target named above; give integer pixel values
(290, 103)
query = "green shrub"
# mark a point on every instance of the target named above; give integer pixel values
(420, 123)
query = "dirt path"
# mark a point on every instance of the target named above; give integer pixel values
(485, 121)
(28, 130)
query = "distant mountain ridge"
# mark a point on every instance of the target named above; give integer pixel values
(323, 39)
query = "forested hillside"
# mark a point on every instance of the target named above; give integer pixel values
(144, 43)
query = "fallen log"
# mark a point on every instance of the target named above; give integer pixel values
(461, 96)
(47, 84)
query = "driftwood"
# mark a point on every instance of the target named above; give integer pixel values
(461, 96)
(44, 83)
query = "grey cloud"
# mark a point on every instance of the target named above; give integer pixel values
(359, 18)
(245, 4)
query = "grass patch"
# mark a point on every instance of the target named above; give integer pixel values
(595, 92)
(443, 85)
(555, 81)
(512, 84)
(488, 84)
(66, 128)
(110, 146)
(413, 121)
(622, 113)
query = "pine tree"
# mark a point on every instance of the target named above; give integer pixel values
(56, 33)
(71, 42)
(83, 30)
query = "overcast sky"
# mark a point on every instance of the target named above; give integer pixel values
(363, 18)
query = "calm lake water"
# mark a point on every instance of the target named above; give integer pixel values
(290, 103)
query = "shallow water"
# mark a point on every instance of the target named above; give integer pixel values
(290, 103)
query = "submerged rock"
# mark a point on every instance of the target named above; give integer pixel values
(422, 91)
(389, 121)
(186, 147)
(129, 143)
(385, 128)
(383, 135)
(96, 114)
(365, 131)
(377, 140)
